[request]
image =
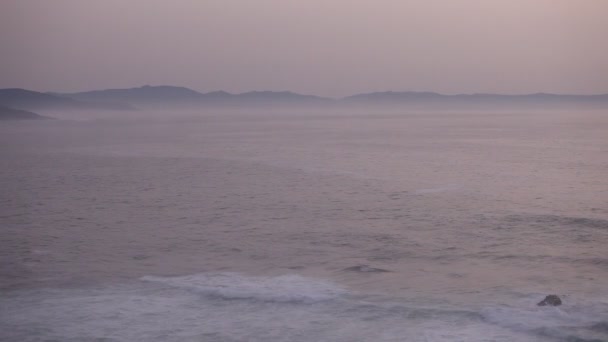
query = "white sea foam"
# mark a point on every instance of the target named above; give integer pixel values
(235, 307)
(574, 319)
(286, 288)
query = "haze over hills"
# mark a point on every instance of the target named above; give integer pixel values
(472, 100)
(151, 96)
(32, 100)
(7, 113)
(141, 95)
(171, 97)
(154, 96)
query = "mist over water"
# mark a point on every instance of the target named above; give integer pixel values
(305, 225)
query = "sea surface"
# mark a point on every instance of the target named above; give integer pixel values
(305, 226)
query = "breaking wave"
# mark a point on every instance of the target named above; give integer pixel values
(286, 288)
(577, 321)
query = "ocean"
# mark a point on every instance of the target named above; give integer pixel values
(305, 226)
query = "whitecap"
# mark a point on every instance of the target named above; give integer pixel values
(574, 320)
(285, 288)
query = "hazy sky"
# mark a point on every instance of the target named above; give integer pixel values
(323, 47)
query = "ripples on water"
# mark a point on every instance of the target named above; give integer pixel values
(269, 228)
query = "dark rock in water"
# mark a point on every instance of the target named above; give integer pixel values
(365, 268)
(552, 300)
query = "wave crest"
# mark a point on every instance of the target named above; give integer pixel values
(286, 288)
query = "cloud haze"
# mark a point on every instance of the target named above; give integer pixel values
(323, 47)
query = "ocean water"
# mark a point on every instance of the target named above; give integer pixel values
(296, 226)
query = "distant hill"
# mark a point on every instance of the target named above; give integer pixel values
(436, 99)
(282, 97)
(27, 99)
(7, 113)
(142, 95)
(170, 96)
(32, 100)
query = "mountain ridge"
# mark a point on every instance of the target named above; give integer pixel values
(7, 113)
(432, 99)
(155, 95)
(168, 97)
(24, 99)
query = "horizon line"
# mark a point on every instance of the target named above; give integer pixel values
(306, 94)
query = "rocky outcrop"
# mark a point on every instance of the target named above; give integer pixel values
(551, 300)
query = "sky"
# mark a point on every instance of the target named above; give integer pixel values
(323, 47)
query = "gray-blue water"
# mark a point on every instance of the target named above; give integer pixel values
(250, 227)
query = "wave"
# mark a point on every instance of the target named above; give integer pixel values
(236, 307)
(438, 189)
(580, 322)
(551, 220)
(286, 288)
(593, 261)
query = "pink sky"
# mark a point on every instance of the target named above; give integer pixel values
(323, 47)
